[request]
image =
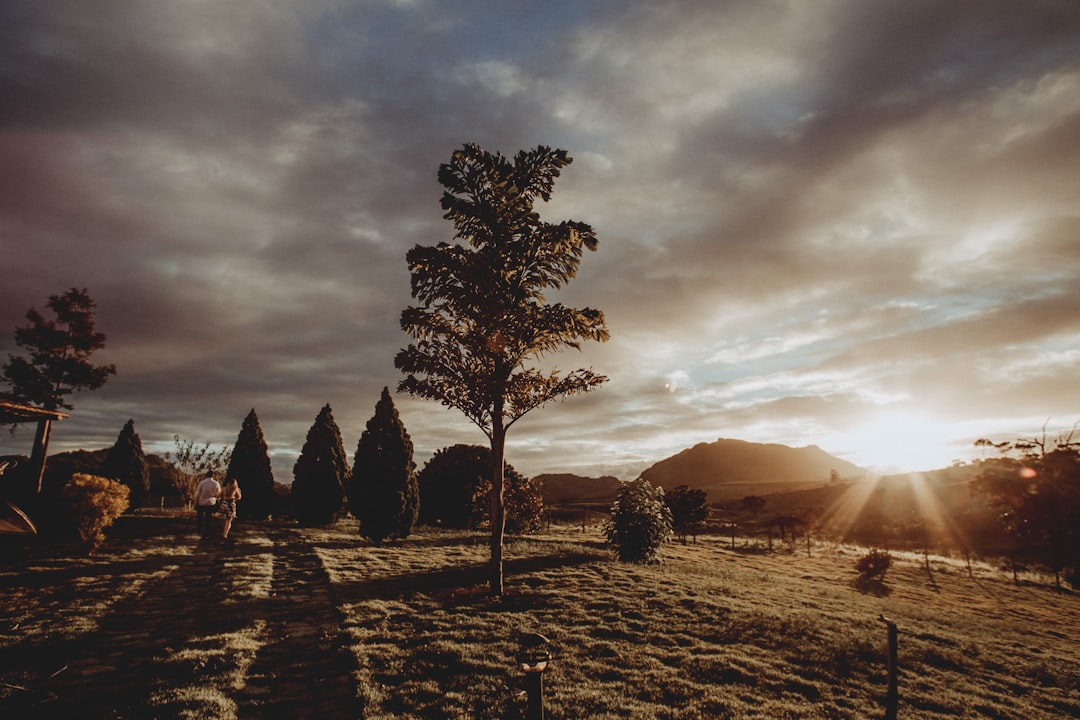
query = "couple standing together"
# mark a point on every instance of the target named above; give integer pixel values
(210, 496)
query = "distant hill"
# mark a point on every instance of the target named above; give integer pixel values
(728, 469)
(564, 488)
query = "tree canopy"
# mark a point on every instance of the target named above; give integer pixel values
(482, 318)
(59, 353)
(689, 510)
(383, 493)
(1035, 487)
(320, 473)
(455, 485)
(126, 463)
(250, 465)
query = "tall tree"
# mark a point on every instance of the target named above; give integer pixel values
(126, 463)
(482, 317)
(383, 492)
(318, 491)
(59, 361)
(250, 465)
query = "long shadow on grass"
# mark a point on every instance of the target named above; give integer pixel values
(438, 581)
(173, 634)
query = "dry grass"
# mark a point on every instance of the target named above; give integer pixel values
(709, 632)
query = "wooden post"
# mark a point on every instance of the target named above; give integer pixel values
(40, 451)
(584, 514)
(807, 539)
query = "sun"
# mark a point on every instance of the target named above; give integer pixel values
(895, 442)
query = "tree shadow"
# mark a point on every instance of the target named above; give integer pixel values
(871, 586)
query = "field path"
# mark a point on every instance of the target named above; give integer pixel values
(197, 628)
(303, 668)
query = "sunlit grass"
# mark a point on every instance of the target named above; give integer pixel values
(710, 632)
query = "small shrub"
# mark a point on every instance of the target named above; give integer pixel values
(640, 522)
(95, 502)
(874, 564)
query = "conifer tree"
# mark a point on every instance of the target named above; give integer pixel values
(250, 465)
(320, 473)
(126, 463)
(383, 492)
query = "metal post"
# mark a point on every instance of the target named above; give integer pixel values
(892, 696)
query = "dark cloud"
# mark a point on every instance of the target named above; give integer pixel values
(812, 217)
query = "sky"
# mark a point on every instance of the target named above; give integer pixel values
(844, 223)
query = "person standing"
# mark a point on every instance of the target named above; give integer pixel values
(230, 495)
(206, 497)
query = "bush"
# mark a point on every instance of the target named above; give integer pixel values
(873, 564)
(95, 502)
(640, 522)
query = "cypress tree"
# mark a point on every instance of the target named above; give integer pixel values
(126, 463)
(382, 492)
(250, 465)
(320, 471)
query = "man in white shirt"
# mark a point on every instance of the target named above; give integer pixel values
(206, 495)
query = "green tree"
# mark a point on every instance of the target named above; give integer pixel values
(455, 487)
(126, 463)
(689, 510)
(58, 364)
(640, 522)
(320, 472)
(1035, 486)
(383, 493)
(482, 317)
(250, 465)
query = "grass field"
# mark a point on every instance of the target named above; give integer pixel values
(291, 622)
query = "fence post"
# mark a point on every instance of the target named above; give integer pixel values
(892, 696)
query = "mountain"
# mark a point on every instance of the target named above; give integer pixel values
(566, 488)
(728, 469)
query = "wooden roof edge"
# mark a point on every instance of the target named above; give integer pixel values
(11, 412)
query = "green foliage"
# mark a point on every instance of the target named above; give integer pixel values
(455, 488)
(640, 522)
(250, 465)
(1035, 488)
(95, 502)
(482, 318)
(126, 463)
(318, 492)
(689, 510)
(383, 493)
(874, 564)
(59, 353)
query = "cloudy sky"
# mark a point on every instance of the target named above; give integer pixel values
(850, 223)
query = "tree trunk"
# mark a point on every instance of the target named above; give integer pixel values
(40, 451)
(498, 507)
